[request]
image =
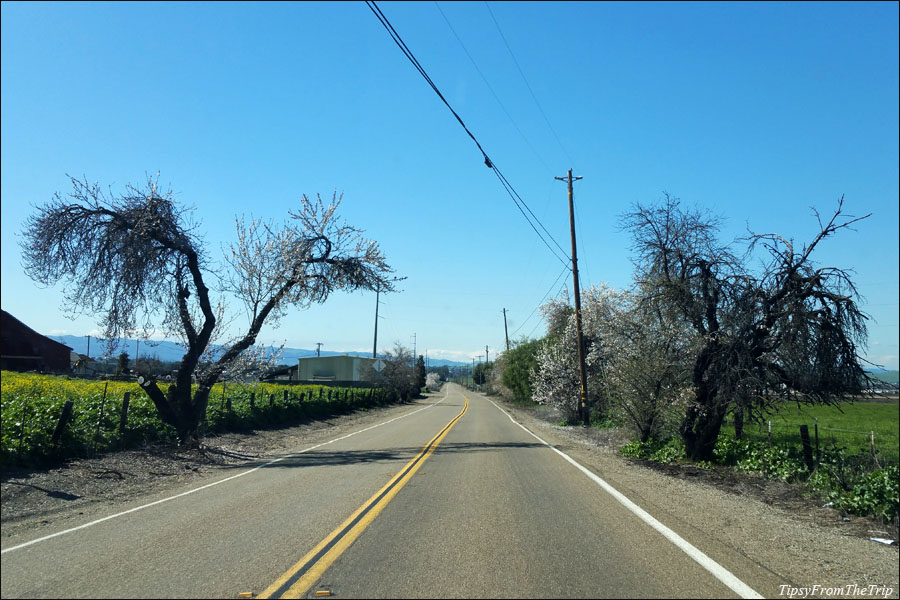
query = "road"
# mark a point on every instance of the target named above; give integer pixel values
(453, 499)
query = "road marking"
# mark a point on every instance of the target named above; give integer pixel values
(300, 577)
(718, 571)
(209, 485)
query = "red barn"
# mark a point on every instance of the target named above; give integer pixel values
(24, 349)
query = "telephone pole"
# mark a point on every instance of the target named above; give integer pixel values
(375, 343)
(319, 348)
(377, 302)
(505, 330)
(583, 409)
(487, 355)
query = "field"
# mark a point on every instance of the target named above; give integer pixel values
(849, 425)
(32, 405)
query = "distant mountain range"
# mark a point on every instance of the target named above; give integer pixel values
(172, 351)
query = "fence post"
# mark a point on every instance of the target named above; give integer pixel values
(123, 420)
(63, 419)
(100, 420)
(872, 449)
(818, 454)
(807, 448)
(22, 427)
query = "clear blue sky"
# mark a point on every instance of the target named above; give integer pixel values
(756, 111)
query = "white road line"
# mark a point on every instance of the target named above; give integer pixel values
(209, 485)
(718, 571)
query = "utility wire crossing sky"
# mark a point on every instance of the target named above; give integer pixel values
(755, 111)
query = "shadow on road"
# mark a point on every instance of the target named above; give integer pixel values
(317, 458)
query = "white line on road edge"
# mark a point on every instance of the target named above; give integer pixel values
(719, 572)
(209, 485)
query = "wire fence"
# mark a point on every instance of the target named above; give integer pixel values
(875, 449)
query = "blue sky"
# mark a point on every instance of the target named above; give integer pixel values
(755, 111)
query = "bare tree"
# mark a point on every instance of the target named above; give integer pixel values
(397, 374)
(788, 332)
(136, 260)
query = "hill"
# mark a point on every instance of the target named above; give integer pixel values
(172, 351)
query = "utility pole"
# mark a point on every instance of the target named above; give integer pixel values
(89, 347)
(415, 356)
(473, 372)
(319, 348)
(375, 343)
(377, 294)
(584, 409)
(505, 330)
(487, 355)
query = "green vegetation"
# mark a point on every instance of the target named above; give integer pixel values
(32, 405)
(520, 362)
(847, 425)
(840, 477)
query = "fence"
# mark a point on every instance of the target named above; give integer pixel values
(51, 418)
(868, 448)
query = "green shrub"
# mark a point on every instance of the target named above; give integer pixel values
(31, 405)
(874, 493)
(844, 478)
(662, 451)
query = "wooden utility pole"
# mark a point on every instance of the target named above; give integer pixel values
(377, 294)
(487, 355)
(375, 343)
(505, 330)
(319, 348)
(577, 288)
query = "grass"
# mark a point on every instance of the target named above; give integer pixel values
(847, 425)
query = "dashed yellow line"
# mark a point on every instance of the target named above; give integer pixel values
(300, 577)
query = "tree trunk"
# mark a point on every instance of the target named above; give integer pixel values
(700, 429)
(181, 410)
(703, 420)
(738, 422)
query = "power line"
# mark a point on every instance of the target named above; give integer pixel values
(516, 198)
(564, 286)
(541, 302)
(491, 88)
(528, 85)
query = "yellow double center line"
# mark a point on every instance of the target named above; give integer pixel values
(299, 578)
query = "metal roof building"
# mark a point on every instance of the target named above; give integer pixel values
(333, 369)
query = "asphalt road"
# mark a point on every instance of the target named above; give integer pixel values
(450, 500)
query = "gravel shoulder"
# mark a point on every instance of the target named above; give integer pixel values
(785, 533)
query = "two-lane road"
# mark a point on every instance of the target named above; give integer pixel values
(453, 499)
